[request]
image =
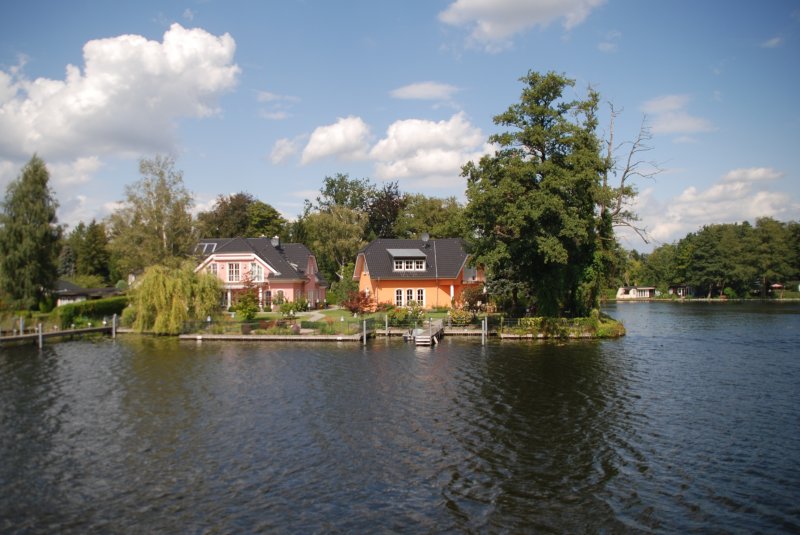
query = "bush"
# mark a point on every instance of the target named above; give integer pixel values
(128, 316)
(65, 315)
(406, 315)
(461, 317)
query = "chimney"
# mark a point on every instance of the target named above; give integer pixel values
(276, 242)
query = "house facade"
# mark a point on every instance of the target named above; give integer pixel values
(431, 273)
(280, 272)
(636, 292)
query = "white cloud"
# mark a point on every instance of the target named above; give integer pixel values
(609, 42)
(494, 22)
(79, 171)
(8, 172)
(669, 116)
(752, 174)
(733, 198)
(347, 138)
(278, 105)
(428, 151)
(775, 42)
(425, 91)
(188, 14)
(283, 149)
(125, 101)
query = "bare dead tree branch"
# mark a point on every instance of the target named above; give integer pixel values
(620, 196)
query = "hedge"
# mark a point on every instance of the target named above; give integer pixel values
(96, 308)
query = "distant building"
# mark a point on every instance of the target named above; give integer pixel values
(280, 271)
(67, 292)
(681, 290)
(636, 292)
(431, 273)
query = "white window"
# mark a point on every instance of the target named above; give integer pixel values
(398, 298)
(409, 265)
(398, 265)
(233, 272)
(409, 296)
(421, 297)
(256, 272)
(212, 269)
(419, 265)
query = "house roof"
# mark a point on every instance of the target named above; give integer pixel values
(64, 288)
(288, 259)
(444, 258)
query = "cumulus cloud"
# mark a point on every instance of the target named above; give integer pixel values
(428, 151)
(425, 91)
(125, 101)
(735, 197)
(668, 115)
(752, 174)
(347, 139)
(79, 171)
(493, 22)
(283, 149)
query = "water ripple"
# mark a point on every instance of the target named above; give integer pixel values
(689, 423)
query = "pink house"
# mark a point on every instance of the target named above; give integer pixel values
(281, 272)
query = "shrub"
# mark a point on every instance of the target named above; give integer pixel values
(128, 316)
(65, 315)
(461, 317)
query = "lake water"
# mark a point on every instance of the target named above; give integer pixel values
(689, 423)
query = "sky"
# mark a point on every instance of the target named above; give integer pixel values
(271, 97)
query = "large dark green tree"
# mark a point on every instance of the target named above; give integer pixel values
(154, 225)
(240, 214)
(29, 236)
(533, 203)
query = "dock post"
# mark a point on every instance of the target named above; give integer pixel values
(483, 332)
(114, 327)
(386, 323)
(39, 329)
(430, 329)
(365, 332)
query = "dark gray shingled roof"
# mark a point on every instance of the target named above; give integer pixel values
(444, 258)
(288, 259)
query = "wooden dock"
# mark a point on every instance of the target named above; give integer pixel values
(38, 338)
(428, 336)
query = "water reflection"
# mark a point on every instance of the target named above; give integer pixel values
(688, 423)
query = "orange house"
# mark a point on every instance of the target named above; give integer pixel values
(431, 273)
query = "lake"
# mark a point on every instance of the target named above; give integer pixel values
(689, 423)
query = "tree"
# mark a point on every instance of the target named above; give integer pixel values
(154, 226)
(92, 251)
(341, 190)
(533, 202)
(384, 209)
(771, 252)
(167, 297)
(440, 218)
(336, 237)
(240, 214)
(616, 199)
(264, 220)
(29, 236)
(228, 218)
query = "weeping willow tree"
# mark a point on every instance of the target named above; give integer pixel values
(166, 298)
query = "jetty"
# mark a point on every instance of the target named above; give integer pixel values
(428, 336)
(38, 337)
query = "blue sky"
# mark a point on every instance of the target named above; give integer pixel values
(271, 97)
